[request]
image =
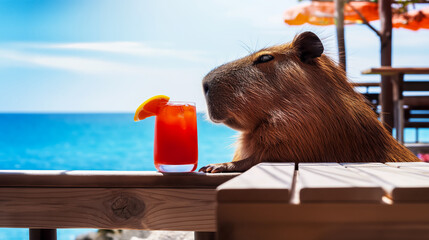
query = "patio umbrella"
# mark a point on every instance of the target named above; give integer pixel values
(413, 20)
(323, 13)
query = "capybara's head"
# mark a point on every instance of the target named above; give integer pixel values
(242, 93)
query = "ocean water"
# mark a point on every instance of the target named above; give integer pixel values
(93, 142)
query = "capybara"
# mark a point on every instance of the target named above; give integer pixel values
(292, 103)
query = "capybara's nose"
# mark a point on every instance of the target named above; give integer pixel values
(206, 88)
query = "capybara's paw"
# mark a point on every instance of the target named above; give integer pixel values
(217, 167)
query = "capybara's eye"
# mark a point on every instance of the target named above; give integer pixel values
(264, 58)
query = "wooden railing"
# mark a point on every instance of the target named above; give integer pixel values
(46, 200)
(306, 201)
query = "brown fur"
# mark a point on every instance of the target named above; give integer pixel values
(298, 107)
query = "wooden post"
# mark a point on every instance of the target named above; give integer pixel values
(339, 23)
(205, 235)
(43, 234)
(386, 98)
(398, 98)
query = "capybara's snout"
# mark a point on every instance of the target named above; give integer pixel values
(206, 88)
(215, 96)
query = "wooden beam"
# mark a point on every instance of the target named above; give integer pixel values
(263, 182)
(385, 10)
(408, 85)
(109, 199)
(331, 182)
(417, 101)
(401, 185)
(109, 179)
(333, 221)
(416, 124)
(419, 116)
(416, 86)
(328, 212)
(387, 70)
(365, 84)
(109, 208)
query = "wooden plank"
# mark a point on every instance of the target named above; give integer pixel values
(123, 179)
(408, 164)
(400, 184)
(408, 85)
(328, 212)
(109, 208)
(416, 86)
(418, 115)
(365, 84)
(393, 70)
(417, 108)
(417, 167)
(331, 182)
(416, 124)
(267, 182)
(416, 101)
(326, 221)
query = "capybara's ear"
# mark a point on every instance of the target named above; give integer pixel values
(308, 46)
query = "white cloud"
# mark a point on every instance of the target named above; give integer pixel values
(75, 64)
(90, 57)
(128, 48)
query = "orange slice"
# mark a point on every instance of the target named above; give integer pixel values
(150, 107)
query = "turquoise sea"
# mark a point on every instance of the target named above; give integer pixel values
(99, 142)
(92, 142)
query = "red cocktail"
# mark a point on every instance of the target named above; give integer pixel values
(176, 142)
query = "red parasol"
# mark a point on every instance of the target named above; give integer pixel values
(322, 13)
(413, 20)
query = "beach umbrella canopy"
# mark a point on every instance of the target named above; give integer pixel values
(322, 13)
(413, 20)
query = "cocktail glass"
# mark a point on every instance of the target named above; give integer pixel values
(176, 141)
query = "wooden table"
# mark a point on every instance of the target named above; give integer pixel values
(46, 200)
(394, 100)
(326, 201)
(306, 201)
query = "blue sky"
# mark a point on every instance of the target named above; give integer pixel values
(109, 56)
